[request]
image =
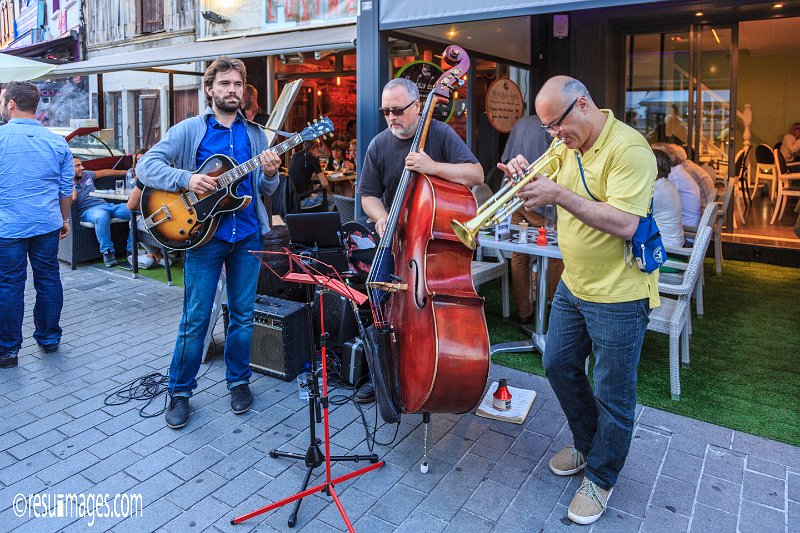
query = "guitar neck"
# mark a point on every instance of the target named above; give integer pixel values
(237, 173)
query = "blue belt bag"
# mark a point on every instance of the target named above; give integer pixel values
(645, 246)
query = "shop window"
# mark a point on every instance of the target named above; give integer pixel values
(149, 16)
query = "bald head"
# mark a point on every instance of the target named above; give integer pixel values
(565, 105)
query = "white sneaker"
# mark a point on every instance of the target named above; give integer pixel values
(145, 261)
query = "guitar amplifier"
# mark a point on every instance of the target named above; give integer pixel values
(282, 341)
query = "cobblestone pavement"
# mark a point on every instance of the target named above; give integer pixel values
(57, 436)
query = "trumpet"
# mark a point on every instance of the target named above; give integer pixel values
(505, 201)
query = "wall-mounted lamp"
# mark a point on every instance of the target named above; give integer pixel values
(292, 58)
(214, 17)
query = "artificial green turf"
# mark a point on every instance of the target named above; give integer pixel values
(745, 352)
(159, 273)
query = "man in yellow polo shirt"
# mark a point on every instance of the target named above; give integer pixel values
(603, 301)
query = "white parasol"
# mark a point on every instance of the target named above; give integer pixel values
(13, 68)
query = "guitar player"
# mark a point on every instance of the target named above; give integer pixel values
(220, 129)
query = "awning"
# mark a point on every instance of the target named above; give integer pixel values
(411, 13)
(335, 37)
(57, 50)
(14, 68)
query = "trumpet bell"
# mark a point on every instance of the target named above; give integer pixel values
(465, 234)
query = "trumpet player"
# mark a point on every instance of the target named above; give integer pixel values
(601, 305)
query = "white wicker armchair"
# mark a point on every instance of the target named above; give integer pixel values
(673, 316)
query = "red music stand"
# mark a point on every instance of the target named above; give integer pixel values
(313, 456)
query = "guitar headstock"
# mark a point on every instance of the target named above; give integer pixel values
(319, 128)
(456, 60)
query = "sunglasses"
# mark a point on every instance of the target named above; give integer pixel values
(556, 126)
(396, 111)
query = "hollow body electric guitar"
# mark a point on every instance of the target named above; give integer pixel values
(182, 220)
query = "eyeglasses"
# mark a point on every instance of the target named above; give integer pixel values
(556, 126)
(396, 111)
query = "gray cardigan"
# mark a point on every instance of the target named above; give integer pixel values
(170, 163)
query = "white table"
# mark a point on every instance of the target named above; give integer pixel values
(110, 194)
(542, 255)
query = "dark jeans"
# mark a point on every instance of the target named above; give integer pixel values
(601, 421)
(202, 269)
(43, 253)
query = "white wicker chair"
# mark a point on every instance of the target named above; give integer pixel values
(710, 218)
(673, 316)
(483, 271)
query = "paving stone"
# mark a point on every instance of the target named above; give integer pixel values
(398, 502)
(236, 490)
(29, 466)
(467, 521)
(470, 427)
(157, 514)
(614, 521)
(766, 449)
(719, 493)
(794, 486)
(355, 504)
(674, 495)
(235, 439)
(765, 490)
(794, 517)
(450, 449)
(546, 423)
(372, 524)
(196, 489)
(530, 445)
(511, 470)
(197, 462)
(154, 463)
(492, 445)
(755, 518)
(445, 500)
(419, 521)
(427, 481)
(762, 466)
(630, 497)
(687, 427)
(157, 486)
(198, 517)
(724, 464)
(67, 467)
(660, 520)
(710, 520)
(36, 444)
(682, 466)
(489, 500)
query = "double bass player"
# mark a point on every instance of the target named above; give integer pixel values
(445, 155)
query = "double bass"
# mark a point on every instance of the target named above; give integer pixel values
(433, 321)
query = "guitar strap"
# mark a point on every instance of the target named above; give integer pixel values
(279, 132)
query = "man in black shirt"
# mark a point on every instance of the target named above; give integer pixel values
(445, 156)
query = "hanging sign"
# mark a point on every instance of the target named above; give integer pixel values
(424, 74)
(504, 104)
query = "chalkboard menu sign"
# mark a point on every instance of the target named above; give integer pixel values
(425, 74)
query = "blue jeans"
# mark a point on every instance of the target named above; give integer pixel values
(43, 253)
(601, 421)
(100, 216)
(202, 269)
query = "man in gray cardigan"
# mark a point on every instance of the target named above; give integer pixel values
(220, 129)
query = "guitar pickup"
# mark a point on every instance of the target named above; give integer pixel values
(151, 222)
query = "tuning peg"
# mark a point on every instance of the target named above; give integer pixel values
(308, 124)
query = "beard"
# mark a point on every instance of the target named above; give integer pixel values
(226, 106)
(4, 114)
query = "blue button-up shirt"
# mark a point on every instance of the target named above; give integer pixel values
(233, 142)
(35, 171)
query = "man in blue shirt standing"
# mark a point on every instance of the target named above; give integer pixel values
(220, 129)
(35, 198)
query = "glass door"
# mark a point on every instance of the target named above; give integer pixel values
(712, 121)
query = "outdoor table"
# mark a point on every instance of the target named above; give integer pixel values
(343, 181)
(541, 255)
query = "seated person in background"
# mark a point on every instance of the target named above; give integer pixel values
(691, 197)
(352, 152)
(790, 146)
(302, 167)
(708, 191)
(153, 254)
(98, 211)
(250, 107)
(667, 203)
(337, 162)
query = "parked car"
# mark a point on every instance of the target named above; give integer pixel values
(97, 151)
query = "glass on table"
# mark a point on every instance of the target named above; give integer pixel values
(119, 186)
(323, 162)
